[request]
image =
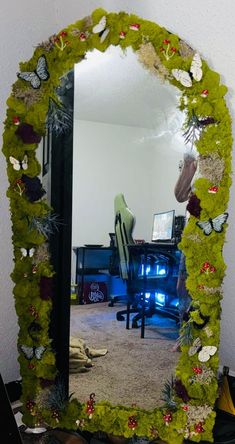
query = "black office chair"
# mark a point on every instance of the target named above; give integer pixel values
(133, 270)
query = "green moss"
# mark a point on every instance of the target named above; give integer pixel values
(216, 138)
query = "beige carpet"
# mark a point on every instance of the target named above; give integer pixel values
(134, 369)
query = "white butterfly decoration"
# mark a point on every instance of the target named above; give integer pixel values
(27, 252)
(31, 352)
(215, 224)
(206, 352)
(35, 77)
(195, 347)
(195, 72)
(19, 164)
(101, 29)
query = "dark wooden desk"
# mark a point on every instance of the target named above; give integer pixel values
(90, 259)
(142, 251)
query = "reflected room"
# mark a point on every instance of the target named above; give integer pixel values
(127, 149)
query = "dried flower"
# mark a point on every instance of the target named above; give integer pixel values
(149, 58)
(211, 167)
(204, 376)
(185, 50)
(42, 254)
(47, 45)
(29, 95)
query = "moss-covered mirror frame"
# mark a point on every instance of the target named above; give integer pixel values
(189, 411)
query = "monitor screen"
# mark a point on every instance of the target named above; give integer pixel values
(163, 226)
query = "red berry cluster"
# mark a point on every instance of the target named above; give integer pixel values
(197, 370)
(30, 404)
(208, 268)
(167, 43)
(90, 405)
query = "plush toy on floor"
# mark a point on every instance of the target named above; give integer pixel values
(80, 355)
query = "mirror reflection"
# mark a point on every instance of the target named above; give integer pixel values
(126, 224)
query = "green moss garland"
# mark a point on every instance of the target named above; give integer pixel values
(194, 419)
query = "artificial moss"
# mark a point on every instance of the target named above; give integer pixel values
(205, 288)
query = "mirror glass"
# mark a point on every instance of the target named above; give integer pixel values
(127, 139)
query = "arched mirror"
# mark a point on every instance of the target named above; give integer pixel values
(127, 125)
(127, 137)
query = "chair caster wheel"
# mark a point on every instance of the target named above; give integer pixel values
(111, 304)
(120, 317)
(135, 324)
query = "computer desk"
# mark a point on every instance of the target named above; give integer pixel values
(144, 249)
(90, 259)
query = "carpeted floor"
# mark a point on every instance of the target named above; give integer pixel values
(134, 370)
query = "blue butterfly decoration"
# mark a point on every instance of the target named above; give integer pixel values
(215, 224)
(35, 77)
(33, 352)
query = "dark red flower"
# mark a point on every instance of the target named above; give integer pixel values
(27, 134)
(46, 288)
(181, 391)
(193, 206)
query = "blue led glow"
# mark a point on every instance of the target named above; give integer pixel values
(160, 298)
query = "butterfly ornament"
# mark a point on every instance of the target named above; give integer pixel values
(19, 164)
(195, 347)
(215, 224)
(35, 77)
(101, 29)
(27, 252)
(195, 72)
(206, 352)
(33, 352)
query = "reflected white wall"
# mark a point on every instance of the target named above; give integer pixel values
(110, 159)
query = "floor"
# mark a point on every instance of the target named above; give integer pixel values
(138, 363)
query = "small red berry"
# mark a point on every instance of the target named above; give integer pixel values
(204, 93)
(199, 427)
(213, 190)
(167, 418)
(185, 407)
(16, 120)
(122, 35)
(82, 37)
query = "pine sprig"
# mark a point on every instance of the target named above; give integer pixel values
(168, 395)
(59, 119)
(186, 333)
(56, 398)
(194, 127)
(45, 225)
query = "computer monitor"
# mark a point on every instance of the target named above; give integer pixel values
(163, 224)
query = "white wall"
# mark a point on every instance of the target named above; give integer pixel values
(110, 159)
(23, 25)
(207, 26)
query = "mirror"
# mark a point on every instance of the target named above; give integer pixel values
(127, 137)
(188, 408)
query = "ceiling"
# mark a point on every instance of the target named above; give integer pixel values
(113, 87)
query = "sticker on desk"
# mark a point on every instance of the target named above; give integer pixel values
(94, 292)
